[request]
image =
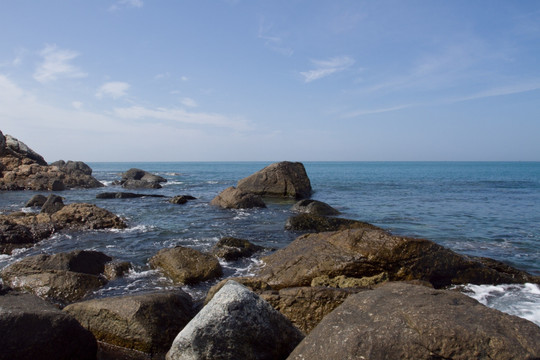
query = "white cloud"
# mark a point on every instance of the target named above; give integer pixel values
(184, 78)
(56, 64)
(77, 105)
(113, 89)
(189, 102)
(181, 116)
(272, 40)
(126, 3)
(328, 67)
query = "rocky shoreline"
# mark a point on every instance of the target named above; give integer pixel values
(344, 289)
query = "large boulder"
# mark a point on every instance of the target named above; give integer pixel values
(185, 265)
(62, 278)
(317, 223)
(147, 322)
(402, 321)
(81, 216)
(233, 198)
(314, 207)
(283, 179)
(21, 168)
(231, 248)
(33, 329)
(359, 253)
(236, 324)
(53, 204)
(140, 179)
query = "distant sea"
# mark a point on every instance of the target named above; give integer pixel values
(489, 209)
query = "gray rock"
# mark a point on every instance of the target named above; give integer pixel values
(317, 223)
(73, 166)
(140, 179)
(33, 329)
(236, 324)
(36, 201)
(53, 204)
(23, 150)
(147, 322)
(283, 179)
(181, 199)
(232, 198)
(314, 207)
(402, 321)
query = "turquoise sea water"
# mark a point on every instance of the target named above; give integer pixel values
(479, 208)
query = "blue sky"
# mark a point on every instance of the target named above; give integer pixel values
(171, 80)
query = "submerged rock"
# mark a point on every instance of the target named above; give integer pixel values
(230, 248)
(232, 198)
(283, 179)
(33, 329)
(140, 179)
(181, 199)
(147, 322)
(402, 321)
(125, 195)
(185, 265)
(236, 324)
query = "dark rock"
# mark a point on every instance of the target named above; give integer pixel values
(318, 223)
(33, 329)
(147, 322)
(16, 232)
(73, 166)
(36, 201)
(116, 269)
(53, 204)
(402, 321)
(362, 253)
(236, 324)
(124, 195)
(232, 198)
(314, 207)
(185, 265)
(230, 248)
(140, 179)
(140, 184)
(181, 199)
(283, 179)
(62, 278)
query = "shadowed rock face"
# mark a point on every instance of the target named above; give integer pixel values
(402, 321)
(314, 207)
(318, 223)
(232, 198)
(230, 248)
(283, 179)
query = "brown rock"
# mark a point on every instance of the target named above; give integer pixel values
(402, 321)
(283, 179)
(314, 207)
(230, 248)
(232, 198)
(185, 265)
(85, 217)
(318, 223)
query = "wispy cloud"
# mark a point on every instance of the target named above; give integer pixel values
(181, 116)
(126, 3)
(273, 40)
(358, 113)
(189, 102)
(57, 64)
(502, 91)
(324, 68)
(113, 89)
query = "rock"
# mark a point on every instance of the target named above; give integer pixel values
(18, 232)
(359, 253)
(140, 184)
(33, 329)
(185, 265)
(402, 321)
(21, 168)
(283, 179)
(349, 282)
(116, 269)
(181, 199)
(86, 217)
(230, 248)
(36, 201)
(62, 278)
(255, 284)
(318, 223)
(53, 204)
(232, 198)
(73, 166)
(314, 207)
(137, 179)
(147, 322)
(124, 195)
(305, 307)
(236, 324)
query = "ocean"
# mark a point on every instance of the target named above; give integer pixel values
(489, 209)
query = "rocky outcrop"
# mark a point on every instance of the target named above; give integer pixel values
(20, 230)
(62, 278)
(185, 265)
(53, 204)
(236, 324)
(314, 207)
(181, 199)
(363, 253)
(283, 179)
(318, 223)
(230, 248)
(401, 321)
(232, 198)
(33, 329)
(86, 217)
(124, 195)
(21, 168)
(147, 322)
(140, 179)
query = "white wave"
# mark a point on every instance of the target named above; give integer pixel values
(138, 228)
(174, 182)
(4, 257)
(212, 182)
(106, 182)
(522, 300)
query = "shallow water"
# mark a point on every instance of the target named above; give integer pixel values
(480, 208)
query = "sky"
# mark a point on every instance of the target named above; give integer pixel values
(261, 80)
